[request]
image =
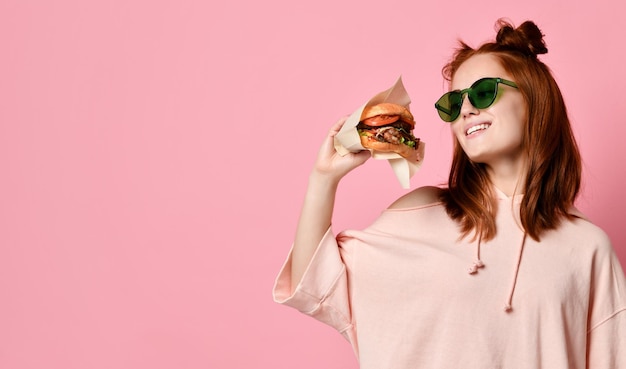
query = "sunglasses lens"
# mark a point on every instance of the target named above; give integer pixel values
(483, 93)
(449, 106)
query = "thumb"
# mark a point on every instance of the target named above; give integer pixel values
(362, 156)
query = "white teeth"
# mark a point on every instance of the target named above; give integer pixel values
(478, 127)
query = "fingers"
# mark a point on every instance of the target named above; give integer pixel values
(329, 145)
(330, 163)
(363, 155)
(337, 126)
(334, 129)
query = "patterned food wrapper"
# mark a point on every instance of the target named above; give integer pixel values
(348, 140)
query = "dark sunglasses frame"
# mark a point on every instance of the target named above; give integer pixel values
(476, 95)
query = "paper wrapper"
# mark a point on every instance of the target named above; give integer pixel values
(348, 140)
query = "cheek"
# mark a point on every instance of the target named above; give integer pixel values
(456, 130)
(514, 115)
(458, 137)
(520, 111)
(521, 119)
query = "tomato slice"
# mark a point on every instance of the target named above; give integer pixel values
(381, 120)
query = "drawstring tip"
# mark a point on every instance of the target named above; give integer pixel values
(474, 268)
(508, 308)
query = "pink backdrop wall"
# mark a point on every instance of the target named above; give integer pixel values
(153, 157)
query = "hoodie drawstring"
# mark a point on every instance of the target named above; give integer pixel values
(508, 307)
(478, 263)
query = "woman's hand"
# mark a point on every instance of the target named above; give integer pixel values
(332, 166)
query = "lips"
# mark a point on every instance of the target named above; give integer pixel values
(477, 128)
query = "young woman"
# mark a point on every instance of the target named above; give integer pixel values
(498, 269)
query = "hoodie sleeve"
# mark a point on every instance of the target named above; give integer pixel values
(606, 338)
(323, 291)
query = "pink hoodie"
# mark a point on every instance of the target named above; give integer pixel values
(400, 293)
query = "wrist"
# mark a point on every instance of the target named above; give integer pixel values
(322, 186)
(321, 179)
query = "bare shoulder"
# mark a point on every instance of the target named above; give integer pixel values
(419, 197)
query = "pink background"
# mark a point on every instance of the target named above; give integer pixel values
(154, 155)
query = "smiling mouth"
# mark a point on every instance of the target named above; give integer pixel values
(476, 128)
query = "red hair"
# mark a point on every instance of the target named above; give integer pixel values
(553, 173)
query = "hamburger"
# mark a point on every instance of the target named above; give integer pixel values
(388, 127)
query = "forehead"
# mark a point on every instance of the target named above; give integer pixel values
(477, 67)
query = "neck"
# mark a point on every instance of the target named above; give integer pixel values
(508, 176)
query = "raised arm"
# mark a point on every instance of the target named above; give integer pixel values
(319, 201)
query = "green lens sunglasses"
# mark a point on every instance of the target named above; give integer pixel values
(481, 95)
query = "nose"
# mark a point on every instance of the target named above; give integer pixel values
(467, 108)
